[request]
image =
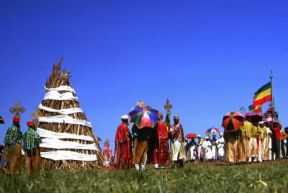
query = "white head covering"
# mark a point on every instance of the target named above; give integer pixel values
(125, 117)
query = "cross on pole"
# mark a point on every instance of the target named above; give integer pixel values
(17, 109)
(168, 106)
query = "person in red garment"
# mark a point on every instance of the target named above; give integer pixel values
(107, 153)
(276, 142)
(161, 155)
(123, 153)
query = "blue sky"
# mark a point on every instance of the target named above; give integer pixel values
(207, 57)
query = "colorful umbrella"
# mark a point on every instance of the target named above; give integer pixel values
(254, 116)
(137, 109)
(2, 120)
(144, 116)
(233, 121)
(191, 136)
(212, 130)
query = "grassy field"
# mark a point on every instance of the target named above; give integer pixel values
(204, 177)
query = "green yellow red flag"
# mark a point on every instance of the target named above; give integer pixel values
(263, 95)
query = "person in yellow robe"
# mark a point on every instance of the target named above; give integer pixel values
(253, 153)
(265, 141)
(231, 146)
(261, 141)
(244, 141)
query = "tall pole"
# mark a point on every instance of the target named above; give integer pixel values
(271, 80)
(168, 106)
(272, 102)
(272, 106)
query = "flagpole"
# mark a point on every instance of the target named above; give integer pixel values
(271, 80)
(271, 102)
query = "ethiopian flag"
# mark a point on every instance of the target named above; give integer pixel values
(263, 95)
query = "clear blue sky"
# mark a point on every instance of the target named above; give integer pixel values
(207, 57)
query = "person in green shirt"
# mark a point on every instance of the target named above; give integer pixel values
(11, 159)
(31, 143)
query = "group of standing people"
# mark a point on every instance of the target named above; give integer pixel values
(163, 145)
(254, 142)
(17, 145)
(148, 145)
(206, 148)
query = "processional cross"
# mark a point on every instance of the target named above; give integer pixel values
(17, 109)
(168, 106)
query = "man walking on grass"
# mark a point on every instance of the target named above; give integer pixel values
(178, 140)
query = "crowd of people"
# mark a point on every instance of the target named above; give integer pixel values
(256, 142)
(148, 145)
(161, 146)
(165, 146)
(253, 142)
(207, 148)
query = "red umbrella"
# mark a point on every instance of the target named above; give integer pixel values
(254, 116)
(233, 121)
(191, 136)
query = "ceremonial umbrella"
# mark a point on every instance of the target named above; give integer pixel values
(254, 116)
(2, 120)
(135, 110)
(144, 116)
(212, 130)
(233, 121)
(191, 136)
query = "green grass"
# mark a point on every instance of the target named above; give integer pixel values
(204, 177)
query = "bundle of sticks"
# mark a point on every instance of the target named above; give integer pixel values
(61, 78)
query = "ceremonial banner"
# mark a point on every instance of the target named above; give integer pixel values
(263, 95)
